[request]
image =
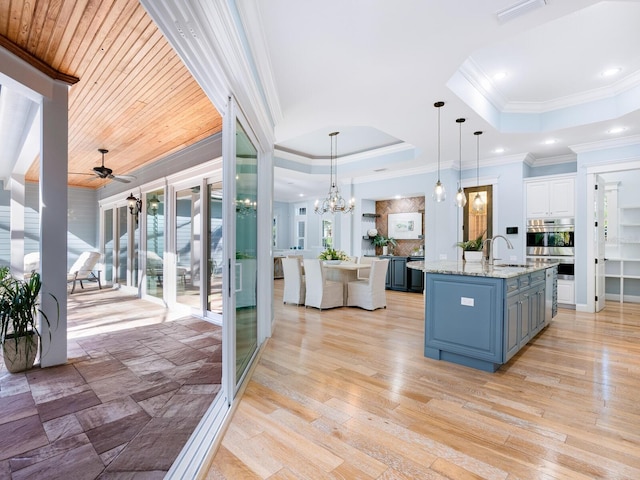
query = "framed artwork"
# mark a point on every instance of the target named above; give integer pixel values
(405, 226)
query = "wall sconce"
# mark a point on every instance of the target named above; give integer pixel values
(154, 203)
(135, 205)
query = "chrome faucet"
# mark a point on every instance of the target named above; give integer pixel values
(491, 241)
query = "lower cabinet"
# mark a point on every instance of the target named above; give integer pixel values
(525, 312)
(398, 273)
(566, 292)
(404, 279)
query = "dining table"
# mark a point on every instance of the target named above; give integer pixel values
(344, 272)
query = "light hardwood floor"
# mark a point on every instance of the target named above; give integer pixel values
(347, 393)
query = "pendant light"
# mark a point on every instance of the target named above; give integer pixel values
(439, 194)
(461, 197)
(334, 203)
(478, 203)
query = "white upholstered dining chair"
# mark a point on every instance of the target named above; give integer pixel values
(363, 273)
(321, 293)
(370, 294)
(294, 281)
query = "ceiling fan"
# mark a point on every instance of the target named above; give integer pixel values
(107, 173)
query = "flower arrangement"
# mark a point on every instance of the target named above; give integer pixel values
(331, 254)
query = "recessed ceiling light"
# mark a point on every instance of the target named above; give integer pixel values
(499, 150)
(615, 130)
(610, 72)
(550, 141)
(301, 194)
(398, 197)
(500, 75)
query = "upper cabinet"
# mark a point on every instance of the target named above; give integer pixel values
(551, 197)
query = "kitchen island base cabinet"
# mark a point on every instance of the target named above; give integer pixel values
(479, 321)
(461, 325)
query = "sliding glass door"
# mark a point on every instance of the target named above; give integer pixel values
(215, 251)
(188, 240)
(246, 221)
(155, 220)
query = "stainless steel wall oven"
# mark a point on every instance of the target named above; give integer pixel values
(552, 237)
(552, 240)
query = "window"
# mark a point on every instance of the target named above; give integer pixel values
(479, 223)
(300, 222)
(327, 234)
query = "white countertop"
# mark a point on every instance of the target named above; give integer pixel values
(478, 269)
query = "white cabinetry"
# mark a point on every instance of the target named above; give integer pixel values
(622, 272)
(551, 197)
(566, 292)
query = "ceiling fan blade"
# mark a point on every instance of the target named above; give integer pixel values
(118, 178)
(92, 175)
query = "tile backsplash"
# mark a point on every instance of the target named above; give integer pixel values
(402, 205)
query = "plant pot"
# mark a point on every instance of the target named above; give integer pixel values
(385, 250)
(474, 256)
(19, 353)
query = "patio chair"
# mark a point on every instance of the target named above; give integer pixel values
(31, 264)
(82, 269)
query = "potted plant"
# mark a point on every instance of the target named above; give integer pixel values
(19, 309)
(472, 249)
(384, 242)
(333, 256)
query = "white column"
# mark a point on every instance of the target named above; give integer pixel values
(53, 224)
(17, 224)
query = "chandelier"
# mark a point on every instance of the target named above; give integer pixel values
(246, 207)
(334, 202)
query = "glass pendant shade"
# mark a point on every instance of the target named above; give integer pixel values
(439, 193)
(461, 198)
(478, 203)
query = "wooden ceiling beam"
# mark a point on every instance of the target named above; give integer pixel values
(36, 62)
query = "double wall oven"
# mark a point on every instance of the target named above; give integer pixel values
(552, 240)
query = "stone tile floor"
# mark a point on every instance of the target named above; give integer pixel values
(135, 386)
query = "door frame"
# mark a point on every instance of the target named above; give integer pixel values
(591, 173)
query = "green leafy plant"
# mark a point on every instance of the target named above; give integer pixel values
(472, 245)
(331, 254)
(20, 308)
(382, 241)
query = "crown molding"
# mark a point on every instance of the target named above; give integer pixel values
(343, 160)
(250, 13)
(544, 162)
(209, 39)
(36, 63)
(606, 144)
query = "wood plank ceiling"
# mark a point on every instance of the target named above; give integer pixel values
(134, 97)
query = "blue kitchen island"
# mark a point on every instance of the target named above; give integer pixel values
(481, 315)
